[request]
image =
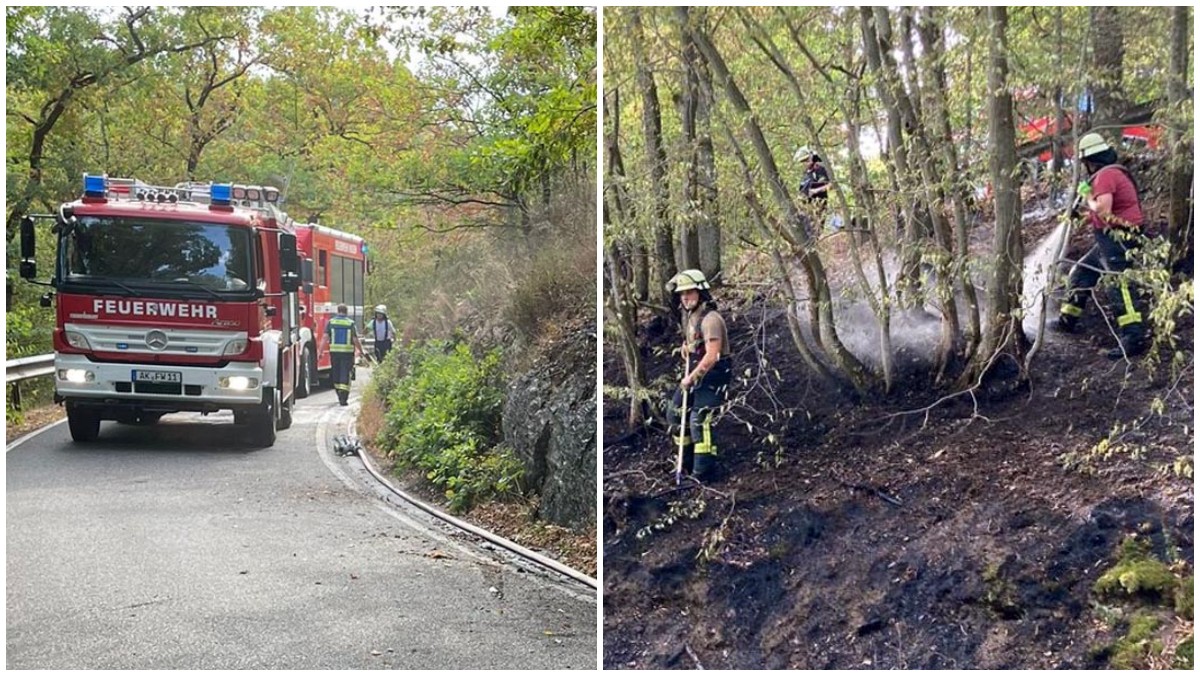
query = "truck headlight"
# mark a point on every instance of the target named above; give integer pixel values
(235, 346)
(76, 375)
(238, 383)
(77, 339)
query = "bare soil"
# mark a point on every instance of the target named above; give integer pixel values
(885, 534)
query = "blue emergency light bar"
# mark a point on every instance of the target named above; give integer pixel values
(220, 194)
(94, 186)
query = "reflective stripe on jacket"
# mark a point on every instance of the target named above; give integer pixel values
(340, 330)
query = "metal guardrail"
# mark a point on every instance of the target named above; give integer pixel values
(17, 370)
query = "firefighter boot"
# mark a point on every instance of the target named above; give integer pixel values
(1068, 318)
(1132, 343)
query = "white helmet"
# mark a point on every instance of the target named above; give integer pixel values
(1092, 143)
(687, 280)
(804, 154)
(381, 309)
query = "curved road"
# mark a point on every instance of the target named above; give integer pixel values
(177, 546)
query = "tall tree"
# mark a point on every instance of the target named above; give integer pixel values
(1108, 60)
(701, 238)
(79, 51)
(656, 164)
(1003, 335)
(1181, 218)
(850, 365)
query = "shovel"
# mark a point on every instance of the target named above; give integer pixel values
(683, 424)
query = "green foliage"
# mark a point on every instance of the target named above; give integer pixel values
(443, 417)
(1136, 574)
(677, 510)
(1131, 651)
(1185, 657)
(1184, 597)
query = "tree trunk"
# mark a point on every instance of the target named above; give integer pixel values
(1180, 219)
(616, 192)
(709, 226)
(859, 377)
(622, 310)
(656, 159)
(689, 235)
(1003, 334)
(1108, 58)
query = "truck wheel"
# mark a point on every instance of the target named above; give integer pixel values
(285, 414)
(84, 423)
(262, 422)
(306, 370)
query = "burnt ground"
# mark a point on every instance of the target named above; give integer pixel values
(967, 535)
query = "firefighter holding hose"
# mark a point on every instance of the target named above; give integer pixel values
(1110, 200)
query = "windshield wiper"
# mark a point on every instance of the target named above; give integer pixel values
(103, 280)
(197, 285)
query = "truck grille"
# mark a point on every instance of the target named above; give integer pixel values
(159, 388)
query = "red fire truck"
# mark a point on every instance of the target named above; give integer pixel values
(173, 299)
(334, 265)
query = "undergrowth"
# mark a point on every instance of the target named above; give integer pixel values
(443, 417)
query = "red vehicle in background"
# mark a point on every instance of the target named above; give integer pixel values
(173, 299)
(334, 265)
(1136, 137)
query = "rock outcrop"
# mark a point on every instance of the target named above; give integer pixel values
(550, 422)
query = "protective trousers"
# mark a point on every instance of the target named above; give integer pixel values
(381, 349)
(1110, 254)
(343, 362)
(704, 401)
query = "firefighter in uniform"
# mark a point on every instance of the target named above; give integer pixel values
(706, 350)
(1115, 214)
(343, 341)
(384, 332)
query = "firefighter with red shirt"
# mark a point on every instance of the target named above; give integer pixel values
(1114, 211)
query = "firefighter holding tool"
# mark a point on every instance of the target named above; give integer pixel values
(708, 371)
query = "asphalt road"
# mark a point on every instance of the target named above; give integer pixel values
(178, 546)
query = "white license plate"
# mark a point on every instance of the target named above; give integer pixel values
(158, 376)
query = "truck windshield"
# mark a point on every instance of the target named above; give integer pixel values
(127, 251)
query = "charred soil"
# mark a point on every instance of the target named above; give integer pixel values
(880, 533)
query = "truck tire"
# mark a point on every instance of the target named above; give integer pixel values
(307, 367)
(285, 413)
(262, 421)
(84, 423)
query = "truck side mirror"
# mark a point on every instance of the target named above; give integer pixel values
(306, 275)
(289, 262)
(28, 245)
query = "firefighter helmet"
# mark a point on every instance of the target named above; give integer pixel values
(686, 280)
(1091, 144)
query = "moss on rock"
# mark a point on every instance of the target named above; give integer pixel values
(1136, 573)
(1130, 651)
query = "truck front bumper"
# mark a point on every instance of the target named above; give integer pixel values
(78, 379)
